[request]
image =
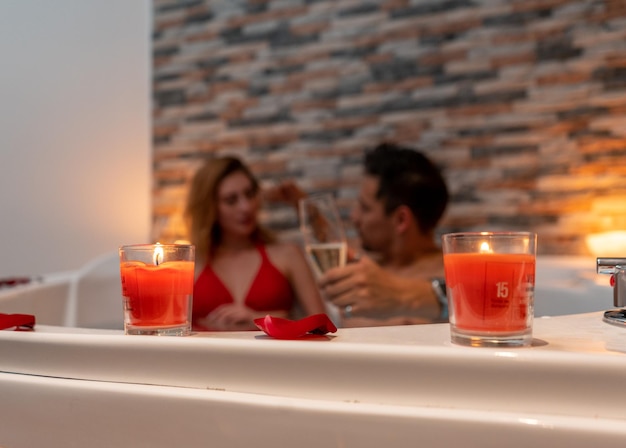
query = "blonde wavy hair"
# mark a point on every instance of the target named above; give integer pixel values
(201, 209)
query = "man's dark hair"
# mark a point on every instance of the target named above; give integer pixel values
(407, 177)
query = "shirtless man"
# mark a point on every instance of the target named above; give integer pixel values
(400, 281)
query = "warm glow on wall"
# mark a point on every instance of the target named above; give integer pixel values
(607, 244)
(610, 239)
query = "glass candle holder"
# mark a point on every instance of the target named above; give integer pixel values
(157, 285)
(490, 283)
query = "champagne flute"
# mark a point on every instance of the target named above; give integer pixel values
(324, 237)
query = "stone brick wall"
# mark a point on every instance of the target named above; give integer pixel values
(522, 103)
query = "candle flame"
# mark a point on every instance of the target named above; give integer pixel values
(484, 248)
(157, 257)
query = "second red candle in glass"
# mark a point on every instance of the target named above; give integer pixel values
(490, 278)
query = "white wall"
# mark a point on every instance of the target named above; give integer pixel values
(75, 158)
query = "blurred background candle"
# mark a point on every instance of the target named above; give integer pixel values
(490, 279)
(157, 285)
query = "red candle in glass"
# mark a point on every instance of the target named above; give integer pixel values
(157, 295)
(490, 282)
(157, 285)
(490, 292)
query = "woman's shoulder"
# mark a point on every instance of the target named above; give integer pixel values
(282, 249)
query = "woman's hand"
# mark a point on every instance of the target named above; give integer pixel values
(235, 317)
(230, 317)
(286, 192)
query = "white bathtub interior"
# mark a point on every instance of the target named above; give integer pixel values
(89, 297)
(570, 285)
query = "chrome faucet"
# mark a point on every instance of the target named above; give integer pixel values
(617, 268)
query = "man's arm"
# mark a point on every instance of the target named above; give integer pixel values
(374, 292)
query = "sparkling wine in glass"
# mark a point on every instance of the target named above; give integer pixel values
(323, 233)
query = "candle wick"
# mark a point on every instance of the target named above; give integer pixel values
(158, 254)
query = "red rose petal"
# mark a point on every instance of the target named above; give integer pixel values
(279, 328)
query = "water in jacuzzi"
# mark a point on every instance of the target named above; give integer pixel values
(563, 285)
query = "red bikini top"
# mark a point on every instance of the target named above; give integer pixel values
(270, 290)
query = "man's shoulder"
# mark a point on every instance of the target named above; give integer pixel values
(426, 267)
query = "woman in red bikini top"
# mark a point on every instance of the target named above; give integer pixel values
(241, 271)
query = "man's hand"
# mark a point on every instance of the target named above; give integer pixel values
(370, 290)
(374, 292)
